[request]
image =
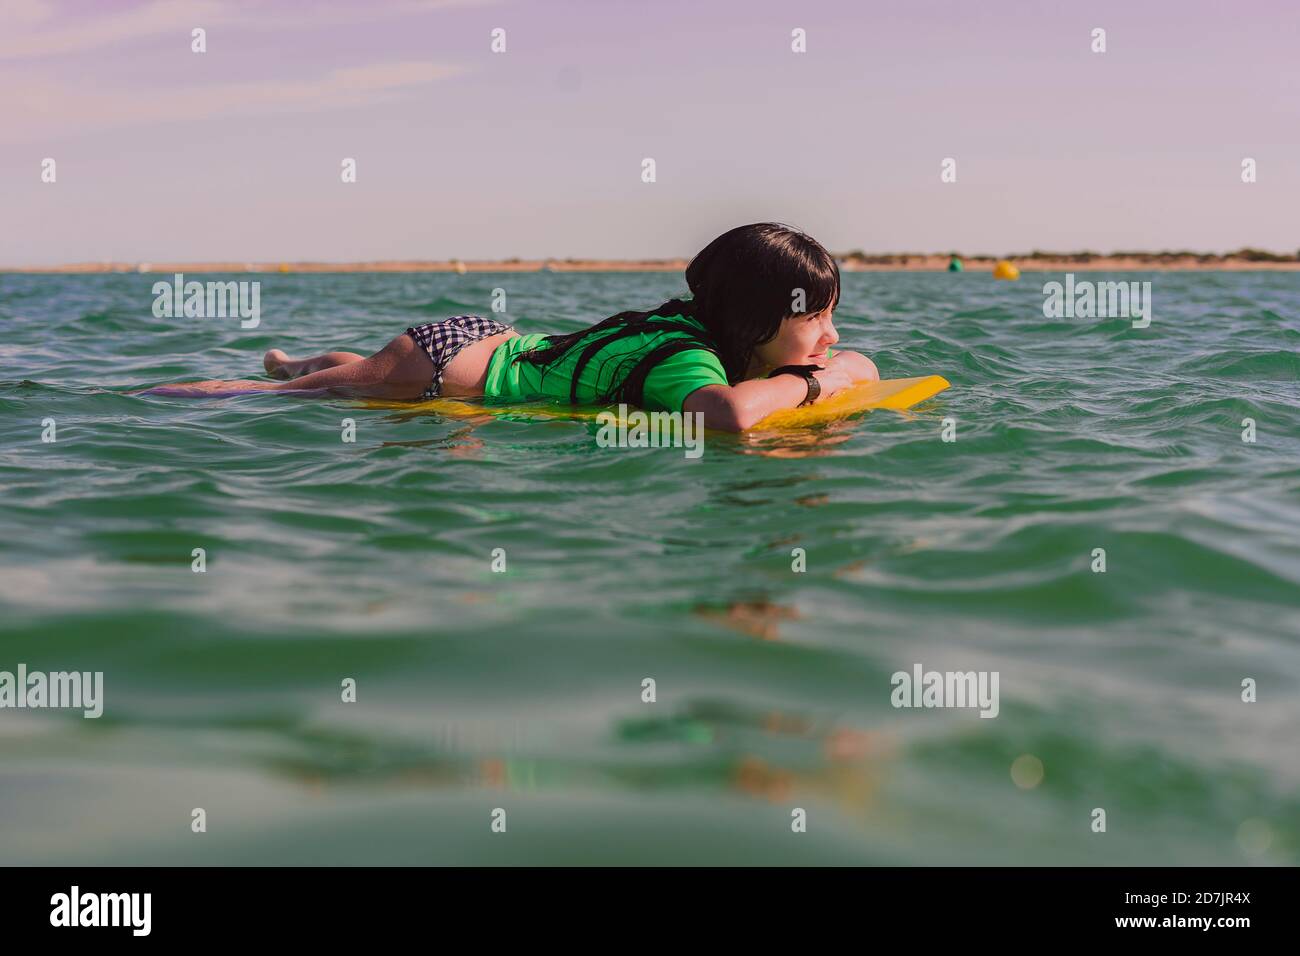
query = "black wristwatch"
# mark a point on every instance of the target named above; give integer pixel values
(806, 373)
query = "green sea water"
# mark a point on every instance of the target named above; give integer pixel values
(522, 690)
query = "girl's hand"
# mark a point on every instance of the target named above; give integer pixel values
(833, 378)
(859, 367)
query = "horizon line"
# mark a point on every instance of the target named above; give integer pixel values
(854, 260)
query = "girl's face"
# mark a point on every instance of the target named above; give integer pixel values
(801, 340)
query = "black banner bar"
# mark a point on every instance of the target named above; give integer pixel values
(373, 904)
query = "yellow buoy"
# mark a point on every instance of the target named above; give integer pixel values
(1005, 270)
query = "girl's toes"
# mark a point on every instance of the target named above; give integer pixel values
(274, 362)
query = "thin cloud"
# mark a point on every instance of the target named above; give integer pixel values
(39, 110)
(30, 30)
(35, 29)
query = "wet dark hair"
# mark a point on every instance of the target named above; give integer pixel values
(743, 285)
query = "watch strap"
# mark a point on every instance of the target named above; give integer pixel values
(806, 373)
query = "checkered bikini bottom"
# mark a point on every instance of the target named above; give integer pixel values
(442, 340)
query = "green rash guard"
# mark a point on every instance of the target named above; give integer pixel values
(666, 386)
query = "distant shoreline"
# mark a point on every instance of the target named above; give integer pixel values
(1244, 260)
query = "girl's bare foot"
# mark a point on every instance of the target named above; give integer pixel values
(274, 362)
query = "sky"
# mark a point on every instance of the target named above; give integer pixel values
(165, 154)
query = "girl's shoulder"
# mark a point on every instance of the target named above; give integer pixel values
(682, 325)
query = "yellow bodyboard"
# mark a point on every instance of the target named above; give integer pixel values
(893, 393)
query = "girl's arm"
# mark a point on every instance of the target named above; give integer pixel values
(734, 408)
(738, 407)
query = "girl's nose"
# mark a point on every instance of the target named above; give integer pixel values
(830, 335)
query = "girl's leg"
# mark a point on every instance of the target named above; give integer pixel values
(279, 365)
(400, 370)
